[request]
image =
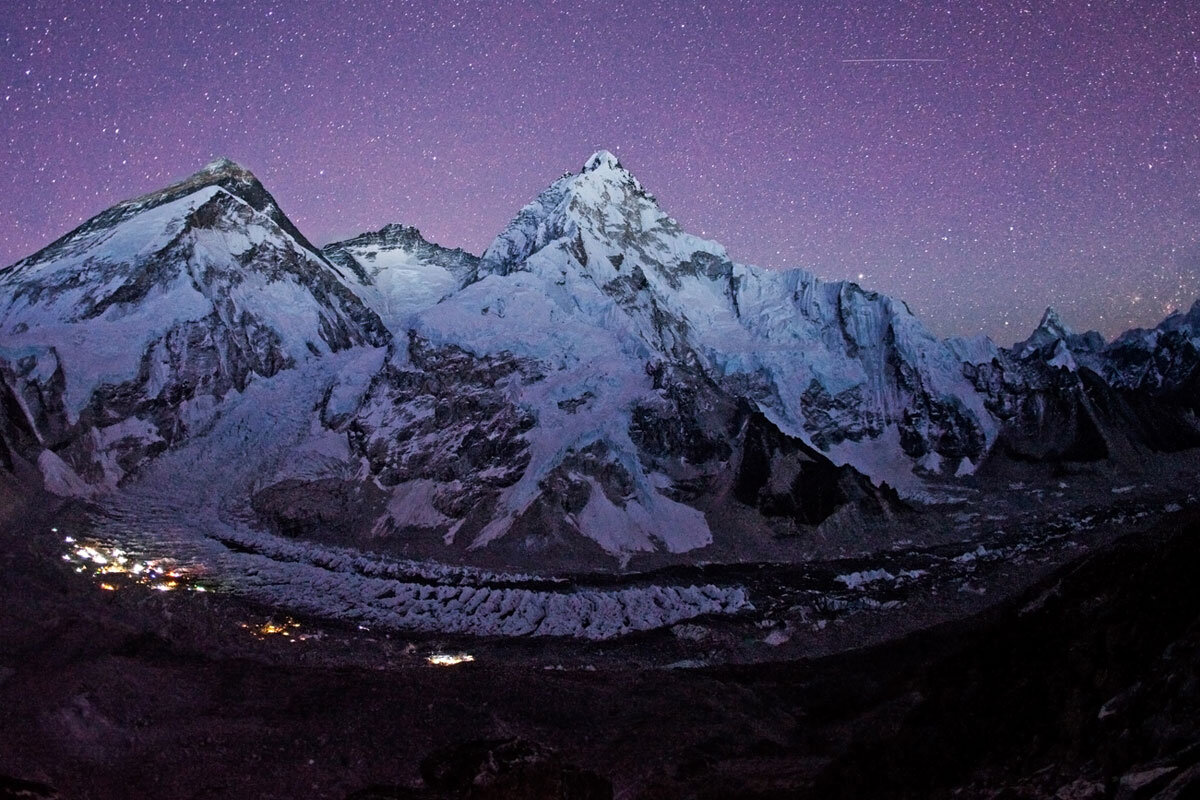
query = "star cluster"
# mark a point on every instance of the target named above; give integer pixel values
(980, 160)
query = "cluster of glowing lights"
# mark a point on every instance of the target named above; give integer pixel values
(450, 659)
(114, 566)
(288, 629)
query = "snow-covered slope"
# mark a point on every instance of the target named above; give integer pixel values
(397, 273)
(117, 337)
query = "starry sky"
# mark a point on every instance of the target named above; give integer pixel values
(981, 160)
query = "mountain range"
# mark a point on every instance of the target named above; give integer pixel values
(598, 386)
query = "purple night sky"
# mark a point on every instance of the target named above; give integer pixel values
(1043, 153)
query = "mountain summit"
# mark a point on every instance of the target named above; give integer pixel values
(601, 159)
(600, 205)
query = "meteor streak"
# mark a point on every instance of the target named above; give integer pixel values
(892, 60)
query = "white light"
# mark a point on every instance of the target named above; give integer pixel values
(449, 659)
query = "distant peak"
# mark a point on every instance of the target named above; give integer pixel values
(220, 165)
(1050, 330)
(605, 168)
(601, 159)
(399, 229)
(221, 168)
(223, 172)
(394, 233)
(1183, 320)
(1052, 321)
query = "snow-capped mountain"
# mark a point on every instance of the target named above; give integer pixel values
(117, 339)
(397, 273)
(610, 380)
(600, 385)
(1058, 345)
(1159, 359)
(843, 369)
(1164, 359)
(1080, 398)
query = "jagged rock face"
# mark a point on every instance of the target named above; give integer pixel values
(435, 424)
(1054, 414)
(712, 443)
(31, 405)
(685, 424)
(397, 273)
(1160, 373)
(1045, 412)
(1161, 360)
(847, 369)
(151, 312)
(783, 477)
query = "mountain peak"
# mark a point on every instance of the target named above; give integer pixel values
(602, 179)
(222, 172)
(394, 235)
(1050, 330)
(221, 165)
(1183, 320)
(603, 207)
(1059, 344)
(397, 232)
(1051, 321)
(602, 160)
(399, 235)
